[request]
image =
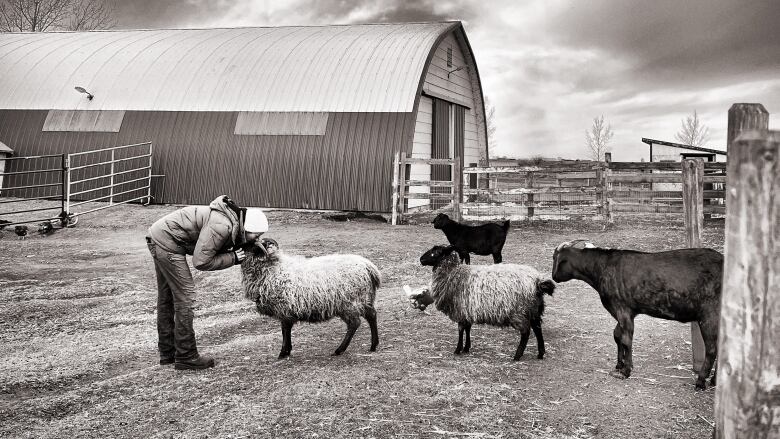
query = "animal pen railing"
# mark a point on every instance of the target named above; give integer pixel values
(76, 182)
(574, 190)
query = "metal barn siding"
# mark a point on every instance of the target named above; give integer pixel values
(346, 169)
(351, 68)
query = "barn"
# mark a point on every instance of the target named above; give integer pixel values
(303, 117)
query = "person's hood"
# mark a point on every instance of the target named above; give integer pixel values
(235, 232)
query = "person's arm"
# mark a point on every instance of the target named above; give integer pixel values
(212, 238)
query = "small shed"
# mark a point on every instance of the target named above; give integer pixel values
(662, 151)
(5, 152)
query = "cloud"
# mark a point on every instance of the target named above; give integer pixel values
(551, 66)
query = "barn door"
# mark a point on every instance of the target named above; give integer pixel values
(447, 142)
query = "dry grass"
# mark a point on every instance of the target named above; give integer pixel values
(79, 355)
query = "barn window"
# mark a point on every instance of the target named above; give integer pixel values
(105, 121)
(449, 57)
(288, 123)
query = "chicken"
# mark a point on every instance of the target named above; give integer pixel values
(21, 231)
(420, 299)
(45, 228)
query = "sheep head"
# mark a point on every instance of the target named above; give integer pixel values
(264, 249)
(562, 267)
(437, 254)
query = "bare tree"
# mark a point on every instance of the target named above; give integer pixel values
(52, 15)
(693, 132)
(490, 125)
(91, 14)
(597, 138)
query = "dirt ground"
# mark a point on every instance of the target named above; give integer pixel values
(78, 346)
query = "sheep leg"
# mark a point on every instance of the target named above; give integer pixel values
(467, 346)
(525, 333)
(353, 323)
(461, 330)
(371, 319)
(497, 257)
(286, 338)
(618, 334)
(536, 325)
(709, 333)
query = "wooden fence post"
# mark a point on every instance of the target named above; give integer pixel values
(457, 187)
(607, 199)
(744, 117)
(529, 178)
(394, 202)
(747, 399)
(693, 206)
(402, 187)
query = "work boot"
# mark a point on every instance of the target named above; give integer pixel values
(199, 362)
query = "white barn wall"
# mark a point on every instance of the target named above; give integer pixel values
(421, 149)
(456, 88)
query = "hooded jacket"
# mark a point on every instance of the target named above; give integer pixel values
(208, 233)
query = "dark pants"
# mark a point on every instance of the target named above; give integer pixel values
(175, 301)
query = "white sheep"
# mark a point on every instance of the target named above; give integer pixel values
(499, 295)
(299, 289)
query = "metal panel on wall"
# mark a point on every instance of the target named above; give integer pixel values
(349, 168)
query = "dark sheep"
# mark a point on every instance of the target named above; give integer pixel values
(485, 239)
(499, 295)
(682, 285)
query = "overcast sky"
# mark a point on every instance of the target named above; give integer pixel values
(550, 66)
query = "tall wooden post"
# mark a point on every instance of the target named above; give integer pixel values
(747, 399)
(693, 206)
(394, 202)
(457, 187)
(744, 117)
(529, 183)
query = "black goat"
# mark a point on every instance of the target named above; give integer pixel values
(486, 239)
(682, 285)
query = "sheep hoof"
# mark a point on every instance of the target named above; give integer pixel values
(517, 358)
(337, 353)
(700, 384)
(373, 349)
(283, 355)
(458, 351)
(540, 356)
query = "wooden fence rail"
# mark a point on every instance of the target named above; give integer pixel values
(582, 189)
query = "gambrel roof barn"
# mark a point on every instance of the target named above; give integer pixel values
(295, 117)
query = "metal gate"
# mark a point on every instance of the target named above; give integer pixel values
(75, 184)
(117, 175)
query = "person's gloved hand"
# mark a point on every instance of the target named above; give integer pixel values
(239, 255)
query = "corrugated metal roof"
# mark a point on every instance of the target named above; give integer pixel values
(350, 68)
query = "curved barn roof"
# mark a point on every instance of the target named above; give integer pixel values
(349, 68)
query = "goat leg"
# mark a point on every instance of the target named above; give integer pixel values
(709, 333)
(618, 334)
